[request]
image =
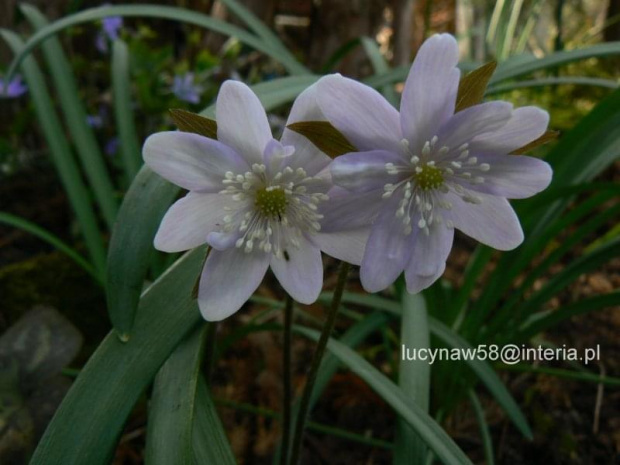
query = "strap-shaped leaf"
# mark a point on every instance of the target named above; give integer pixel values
(324, 136)
(131, 245)
(187, 121)
(428, 429)
(547, 137)
(172, 405)
(473, 86)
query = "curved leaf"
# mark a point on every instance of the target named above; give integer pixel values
(432, 434)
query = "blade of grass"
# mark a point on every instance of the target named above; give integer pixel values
(123, 111)
(51, 239)
(266, 34)
(314, 426)
(131, 246)
(544, 320)
(553, 81)
(172, 405)
(86, 144)
(61, 155)
(156, 11)
(566, 374)
(209, 437)
(90, 419)
(487, 442)
(433, 435)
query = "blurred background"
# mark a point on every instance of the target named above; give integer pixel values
(53, 313)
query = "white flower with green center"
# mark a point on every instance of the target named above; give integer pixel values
(427, 170)
(253, 199)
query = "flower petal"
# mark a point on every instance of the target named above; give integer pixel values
(477, 120)
(526, 125)
(417, 283)
(189, 221)
(347, 246)
(306, 155)
(191, 161)
(430, 251)
(228, 280)
(513, 176)
(388, 249)
(241, 121)
(430, 91)
(492, 222)
(301, 275)
(361, 113)
(346, 211)
(364, 171)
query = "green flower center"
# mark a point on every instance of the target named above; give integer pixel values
(428, 177)
(271, 202)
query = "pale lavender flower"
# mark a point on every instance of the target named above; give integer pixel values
(252, 198)
(426, 171)
(185, 89)
(110, 27)
(13, 89)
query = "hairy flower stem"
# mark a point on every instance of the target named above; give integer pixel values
(304, 405)
(287, 379)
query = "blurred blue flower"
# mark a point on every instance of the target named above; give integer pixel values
(109, 32)
(13, 89)
(112, 146)
(97, 120)
(185, 88)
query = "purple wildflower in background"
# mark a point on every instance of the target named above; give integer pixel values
(252, 198)
(422, 173)
(109, 32)
(185, 89)
(13, 89)
(111, 147)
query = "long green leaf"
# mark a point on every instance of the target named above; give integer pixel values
(51, 239)
(155, 11)
(481, 368)
(88, 423)
(487, 442)
(516, 66)
(61, 155)
(548, 319)
(131, 245)
(123, 111)
(87, 148)
(172, 406)
(209, 439)
(553, 81)
(265, 33)
(487, 376)
(432, 434)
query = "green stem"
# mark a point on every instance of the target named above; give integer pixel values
(304, 405)
(414, 376)
(287, 380)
